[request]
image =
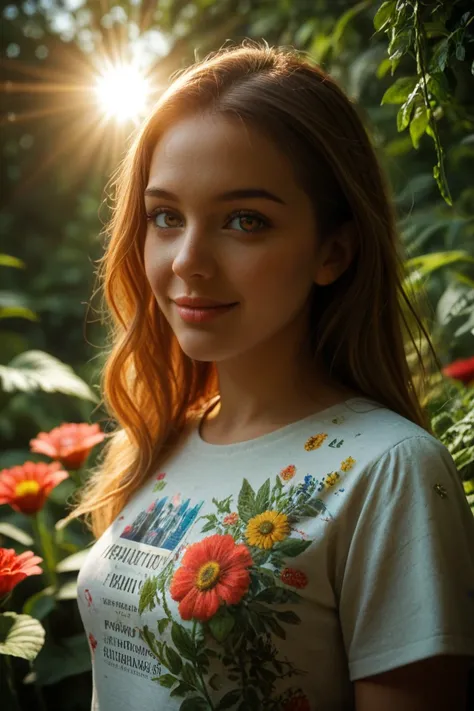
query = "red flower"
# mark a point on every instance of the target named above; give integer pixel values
(298, 702)
(69, 443)
(15, 568)
(288, 472)
(92, 641)
(213, 571)
(230, 519)
(462, 370)
(26, 487)
(160, 477)
(293, 577)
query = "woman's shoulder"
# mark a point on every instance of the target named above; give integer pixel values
(375, 435)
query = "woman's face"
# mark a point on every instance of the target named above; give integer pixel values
(228, 221)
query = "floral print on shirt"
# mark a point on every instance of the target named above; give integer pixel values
(240, 589)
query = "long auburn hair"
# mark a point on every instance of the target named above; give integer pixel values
(360, 324)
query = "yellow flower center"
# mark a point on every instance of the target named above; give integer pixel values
(24, 488)
(266, 527)
(208, 575)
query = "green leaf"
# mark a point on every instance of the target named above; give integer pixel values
(291, 547)
(229, 699)
(189, 675)
(14, 305)
(276, 628)
(288, 616)
(16, 534)
(72, 562)
(40, 604)
(163, 624)
(427, 263)
(221, 625)
(148, 595)
(440, 55)
(181, 690)
(246, 505)
(175, 663)
(36, 370)
(7, 261)
(404, 115)
(17, 312)
(418, 125)
(194, 703)
(400, 44)
(400, 90)
(155, 647)
(346, 18)
(20, 635)
(183, 641)
(277, 595)
(384, 14)
(460, 52)
(263, 497)
(68, 591)
(58, 661)
(167, 680)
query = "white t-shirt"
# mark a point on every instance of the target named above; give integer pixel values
(288, 566)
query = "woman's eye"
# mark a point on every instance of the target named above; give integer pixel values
(164, 219)
(248, 222)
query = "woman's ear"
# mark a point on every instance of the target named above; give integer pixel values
(335, 254)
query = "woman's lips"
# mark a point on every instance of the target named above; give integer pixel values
(201, 314)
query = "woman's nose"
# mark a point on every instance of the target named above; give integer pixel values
(193, 255)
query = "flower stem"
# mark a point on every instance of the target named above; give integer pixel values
(46, 542)
(199, 672)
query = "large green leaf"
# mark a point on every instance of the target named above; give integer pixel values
(427, 263)
(20, 635)
(72, 562)
(36, 370)
(8, 261)
(13, 305)
(40, 604)
(58, 661)
(15, 533)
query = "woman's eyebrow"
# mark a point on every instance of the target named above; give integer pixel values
(230, 195)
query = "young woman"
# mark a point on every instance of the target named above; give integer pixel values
(277, 528)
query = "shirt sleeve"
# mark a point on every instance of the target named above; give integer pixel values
(406, 582)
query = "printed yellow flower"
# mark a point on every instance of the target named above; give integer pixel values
(331, 479)
(347, 464)
(267, 528)
(315, 442)
(288, 472)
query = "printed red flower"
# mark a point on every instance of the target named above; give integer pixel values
(127, 529)
(288, 472)
(26, 487)
(213, 571)
(15, 568)
(92, 642)
(160, 477)
(293, 577)
(69, 443)
(298, 702)
(230, 519)
(462, 370)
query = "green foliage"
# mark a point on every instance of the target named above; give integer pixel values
(437, 35)
(20, 635)
(35, 370)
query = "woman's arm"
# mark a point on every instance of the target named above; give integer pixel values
(436, 684)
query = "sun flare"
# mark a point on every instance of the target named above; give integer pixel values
(122, 92)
